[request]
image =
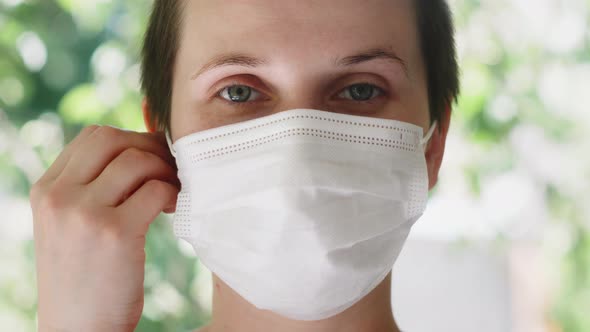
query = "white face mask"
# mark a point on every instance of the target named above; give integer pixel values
(302, 212)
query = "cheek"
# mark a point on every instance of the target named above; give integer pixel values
(417, 91)
(412, 107)
(190, 115)
(185, 117)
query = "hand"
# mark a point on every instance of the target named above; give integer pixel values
(91, 211)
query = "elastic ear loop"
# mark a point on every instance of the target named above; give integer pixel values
(428, 136)
(169, 141)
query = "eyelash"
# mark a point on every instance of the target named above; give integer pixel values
(381, 93)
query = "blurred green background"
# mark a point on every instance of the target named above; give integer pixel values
(519, 147)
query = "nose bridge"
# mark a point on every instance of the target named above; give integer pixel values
(300, 83)
(297, 103)
(304, 94)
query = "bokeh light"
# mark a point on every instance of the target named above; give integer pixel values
(508, 224)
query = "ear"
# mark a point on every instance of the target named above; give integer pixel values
(436, 147)
(145, 107)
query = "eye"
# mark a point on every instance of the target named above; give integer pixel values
(361, 92)
(239, 93)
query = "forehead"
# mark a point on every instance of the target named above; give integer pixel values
(306, 30)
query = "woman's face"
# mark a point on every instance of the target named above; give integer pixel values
(347, 56)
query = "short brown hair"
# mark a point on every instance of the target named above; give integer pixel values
(161, 44)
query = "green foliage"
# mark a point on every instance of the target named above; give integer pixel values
(65, 64)
(90, 75)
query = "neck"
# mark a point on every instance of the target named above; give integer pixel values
(233, 313)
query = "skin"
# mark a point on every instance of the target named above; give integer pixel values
(91, 212)
(299, 41)
(93, 206)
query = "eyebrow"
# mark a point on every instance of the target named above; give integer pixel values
(246, 60)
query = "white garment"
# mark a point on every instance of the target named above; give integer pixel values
(302, 212)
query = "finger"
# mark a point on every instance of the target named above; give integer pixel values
(147, 203)
(127, 172)
(104, 145)
(60, 162)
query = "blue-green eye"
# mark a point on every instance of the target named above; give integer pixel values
(239, 93)
(357, 92)
(361, 92)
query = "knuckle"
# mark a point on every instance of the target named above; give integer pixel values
(50, 200)
(85, 217)
(35, 192)
(109, 133)
(111, 234)
(89, 129)
(136, 156)
(159, 188)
